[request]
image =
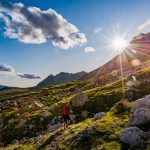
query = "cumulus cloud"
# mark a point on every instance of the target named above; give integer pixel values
(6, 68)
(36, 26)
(29, 76)
(89, 49)
(145, 24)
(97, 30)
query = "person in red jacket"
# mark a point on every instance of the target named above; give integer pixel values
(66, 113)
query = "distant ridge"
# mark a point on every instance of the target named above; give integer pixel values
(3, 87)
(60, 78)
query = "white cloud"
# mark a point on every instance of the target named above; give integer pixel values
(97, 30)
(145, 24)
(89, 49)
(29, 76)
(32, 25)
(6, 68)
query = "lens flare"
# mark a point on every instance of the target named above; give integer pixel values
(135, 62)
(119, 43)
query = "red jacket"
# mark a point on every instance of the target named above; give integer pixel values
(65, 110)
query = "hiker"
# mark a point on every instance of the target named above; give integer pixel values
(66, 113)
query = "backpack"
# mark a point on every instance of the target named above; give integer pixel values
(66, 110)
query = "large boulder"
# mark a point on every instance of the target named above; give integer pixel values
(135, 137)
(79, 100)
(140, 116)
(141, 103)
(99, 115)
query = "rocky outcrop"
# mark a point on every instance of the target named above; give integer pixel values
(134, 136)
(140, 112)
(79, 100)
(99, 115)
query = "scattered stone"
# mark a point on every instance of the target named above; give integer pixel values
(54, 127)
(11, 121)
(84, 114)
(99, 115)
(15, 142)
(38, 104)
(20, 124)
(72, 118)
(31, 126)
(46, 114)
(23, 140)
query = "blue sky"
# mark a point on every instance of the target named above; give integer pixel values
(98, 20)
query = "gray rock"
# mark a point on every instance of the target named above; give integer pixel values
(140, 116)
(72, 118)
(46, 114)
(23, 140)
(53, 127)
(79, 100)
(99, 115)
(141, 103)
(15, 142)
(134, 137)
(20, 124)
(11, 121)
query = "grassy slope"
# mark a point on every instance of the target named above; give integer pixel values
(100, 98)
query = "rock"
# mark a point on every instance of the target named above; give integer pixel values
(72, 118)
(11, 121)
(23, 140)
(31, 126)
(79, 100)
(54, 127)
(134, 137)
(84, 114)
(38, 104)
(141, 103)
(15, 142)
(20, 124)
(80, 135)
(46, 114)
(99, 115)
(90, 130)
(140, 116)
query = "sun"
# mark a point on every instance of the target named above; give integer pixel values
(119, 43)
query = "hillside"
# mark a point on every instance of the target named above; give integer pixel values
(28, 118)
(60, 78)
(134, 57)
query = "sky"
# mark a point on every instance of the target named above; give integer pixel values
(43, 37)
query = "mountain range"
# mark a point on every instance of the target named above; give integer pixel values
(60, 78)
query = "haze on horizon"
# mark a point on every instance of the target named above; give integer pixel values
(39, 38)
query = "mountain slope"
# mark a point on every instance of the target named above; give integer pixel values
(60, 78)
(132, 58)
